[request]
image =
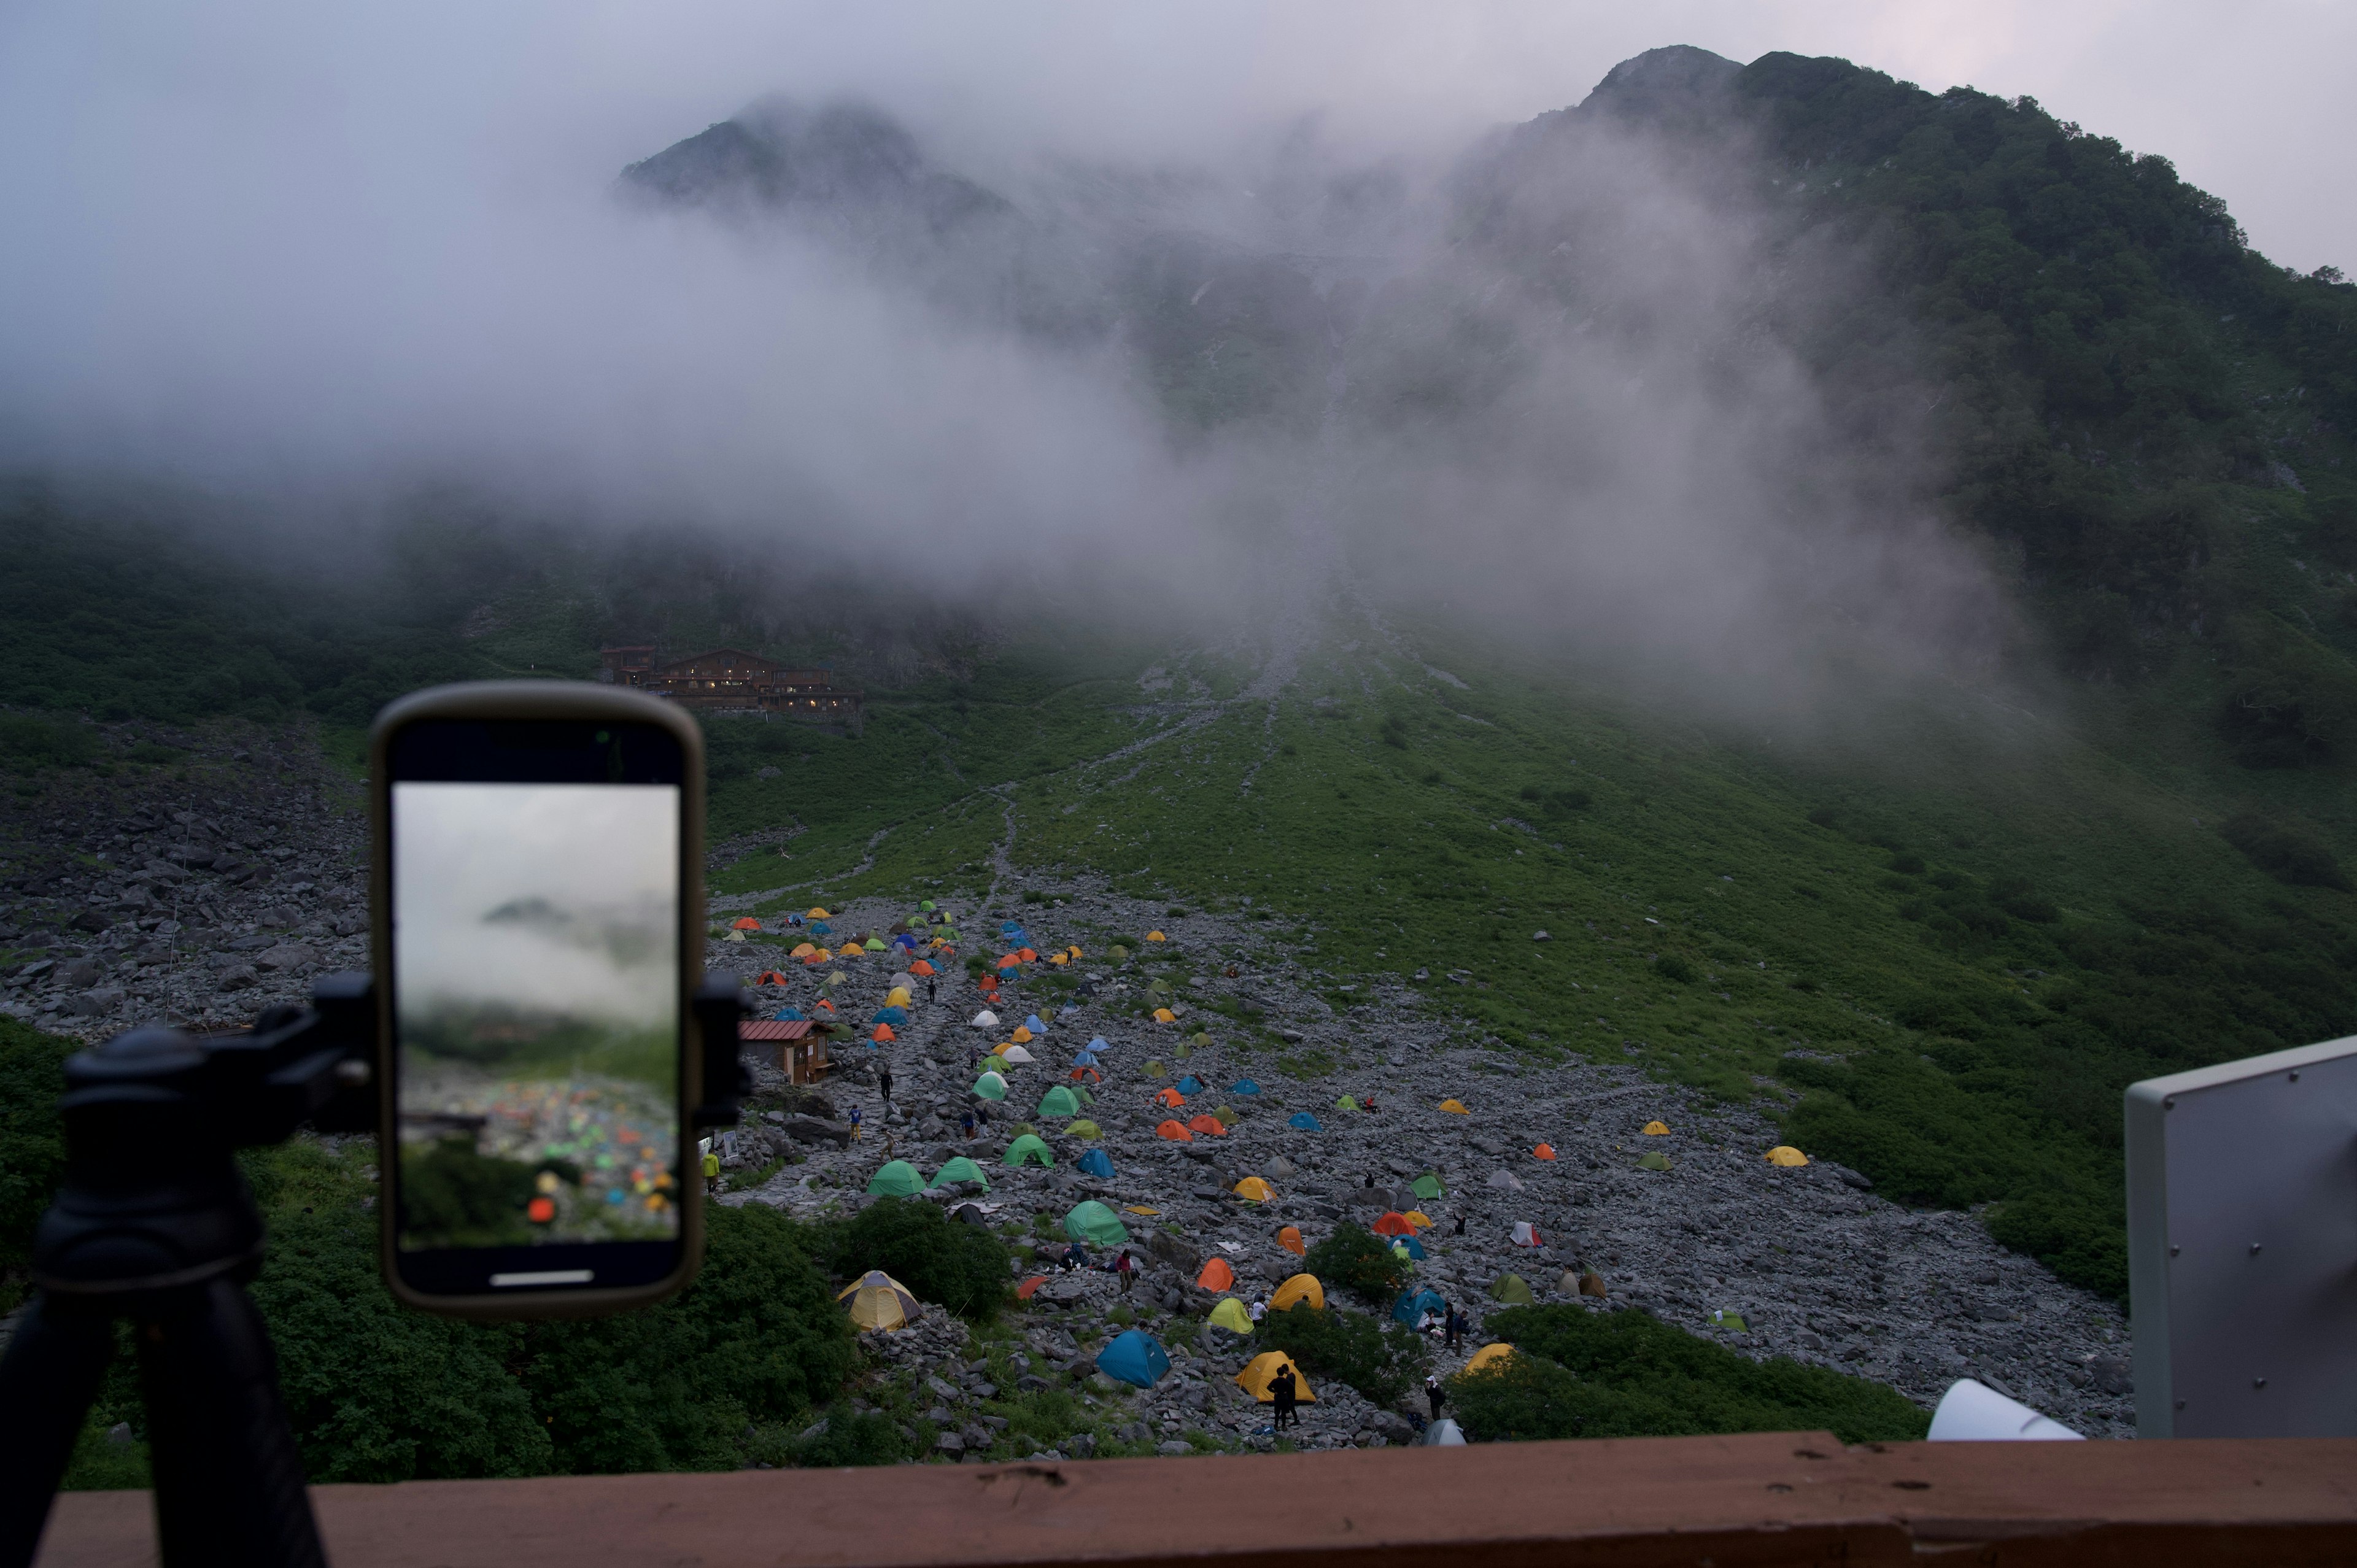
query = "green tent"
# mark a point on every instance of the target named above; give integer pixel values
(1154, 1070)
(1346, 1103)
(1428, 1185)
(990, 1086)
(1084, 1128)
(1653, 1160)
(1204, 1040)
(959, 1169)
(1512, 1289)
(875, 945)
(1225, 1117)
(1081, 1094)
(1119, 952)
(926, 905)
(1058, 1101)
(1095, 1223)
(898, 1180)
(1028, 1147)
(1184, 1051)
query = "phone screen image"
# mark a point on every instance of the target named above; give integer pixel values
(536, 976)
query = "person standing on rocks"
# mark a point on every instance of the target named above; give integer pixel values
(1434, 1393)
(1452, 1328)
(1283, 1385)
(884, 1080)
(967, 1122)
(1127, 1267)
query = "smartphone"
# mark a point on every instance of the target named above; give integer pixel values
(538, 905)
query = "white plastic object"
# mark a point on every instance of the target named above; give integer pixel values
(1975, 1413)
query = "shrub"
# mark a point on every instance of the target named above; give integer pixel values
(32, 1143)
(850, 1438)
(1626, 1374)
(1359, 1261)
(961, 1267)
(1670, 966)
(2285, 852)
(26, 744)
(1380, 1358)
(1907, 864)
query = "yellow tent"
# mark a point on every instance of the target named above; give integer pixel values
(879, 1300)
(1455, 1108)
(1230, 1316)
(1489, 1355)
(1022, 1035)
(1785, 1155)
(817, 915)
(1656, 1129)
(1155, 937)
(1419, 1219)
(897, 997)
(1300, 1287)
(1255, 1378)
(1058, 959)
(1252, 1187)
(1074, 950)
(1164, 1015)
(803, 951)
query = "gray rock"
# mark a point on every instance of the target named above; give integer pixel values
(236, 977)
(287, 958)
(950, 1442)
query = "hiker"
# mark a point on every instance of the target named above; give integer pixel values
(1127, 1267)
(1368, 1105)
(1434, 1393)
(884, 1080)
(1370, 1178)
(1283, 1385)
(929, 983)
(967, 1122)
(711, 1171)
(1460, 1225)
(1259, 1308)
(1451, 1327)
(855, 1124)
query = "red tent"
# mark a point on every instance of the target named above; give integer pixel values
(747, 923)
(1395, 1224)
(1176, 1132)
(771, 977)
(884, 1034)
(1209, 1126)
(1544, 1152)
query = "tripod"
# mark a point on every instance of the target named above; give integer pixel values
(154, 1224)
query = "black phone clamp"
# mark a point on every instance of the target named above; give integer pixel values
(720, 1005)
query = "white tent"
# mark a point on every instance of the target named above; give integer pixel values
(985, 1019)
(1527, 1234)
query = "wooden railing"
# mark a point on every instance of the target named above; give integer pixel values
(1790, 1497)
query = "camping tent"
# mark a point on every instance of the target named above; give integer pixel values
(1254, 1190)
(874, 944)
(985, 1019)
(1135, 1357)
(788, 1015)
(1306, 1122)
(1512, 1289)
(1097, 1044)
(1653, 1160)
(990, 1086)
(1244, 1086)
(1415, 1301)
(1395, 1223)
(899, 1178)
(1656, 1129)
(890, 1016)
(1230, 1316)
(1176, 1132)
(879, 1300)
(1166, 1095)
(1428, 1185)
(1031, 1148)
(1217, 1275)
(1527, 1234)
(1023, 1036)
(1442, 1434)
(1058, 1101)
(1095, 1223)
(884, 1034)
(1419, 1219)
(747, 923)
(1255, 1378)
(959, 1168)
(1505, 1181)
(1033, 1024)
(1408, 1246)
(1084, 1128)
(1544, 1152)
(1016, 1054)
(1209, 1126)
(801, 949)
(1491, 1356)
(1455, 1108)
(900, 995)
(1190, 1084)
(1155, 937)
(1299, 1288)
(1164, 1015)
(1097, 1163)
(1785, 1155)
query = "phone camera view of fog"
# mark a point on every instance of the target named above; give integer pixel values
(536, 986)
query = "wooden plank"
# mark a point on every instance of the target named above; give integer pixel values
(1753, 1499)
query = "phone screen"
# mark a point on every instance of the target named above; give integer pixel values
(536, 987)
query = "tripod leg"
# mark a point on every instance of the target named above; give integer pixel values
(46, 1382)
(229, 1485)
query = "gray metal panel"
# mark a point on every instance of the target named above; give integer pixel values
(2243, 1247)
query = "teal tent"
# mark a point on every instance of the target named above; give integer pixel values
(1414, 1303)
(1097, 1163)
(897, 1179)
(1306, 1122)
(1058, 1101)
(1135, 1357)
(1095, 1223)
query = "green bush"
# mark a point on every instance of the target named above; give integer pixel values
(1670, 966)
(2285, 852)
(851, 1437)
(32, 1143)
(1359, 1261)
(1380, 1358)
(26, 744)
(962, 1267)
(1577, 1373)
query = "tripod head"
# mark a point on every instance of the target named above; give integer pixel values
(152, 1198)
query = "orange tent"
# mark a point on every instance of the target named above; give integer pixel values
(817, 958)
(747, 923)
(1025, 1291)
(1007, 961)
(1176, 1132)
(921, 967)
(1081, 1072)
(771, 977)
(1028, 956)
(1166, 1095)
(1544, 1152)
(1209, 1126)
(1395, 1224)
(1217, 1275)
(884, 1034)
(823, 1002)
(1291, 1240)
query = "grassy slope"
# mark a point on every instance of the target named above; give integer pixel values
(1959, 1053)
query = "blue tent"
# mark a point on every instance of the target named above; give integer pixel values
(1033, 1024)
(1097, 1044)
(1009, 928)
(1244, 1086)
(894, 1015)
(905, 940)
(1135, 1357)
(1097, 1163)
(793, 920)
(788, 1015)
(1414, 1248)
(821, 928)
(1306, 1122)
(1414, 1303)
(1190, 1085)
(1085, 1060)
